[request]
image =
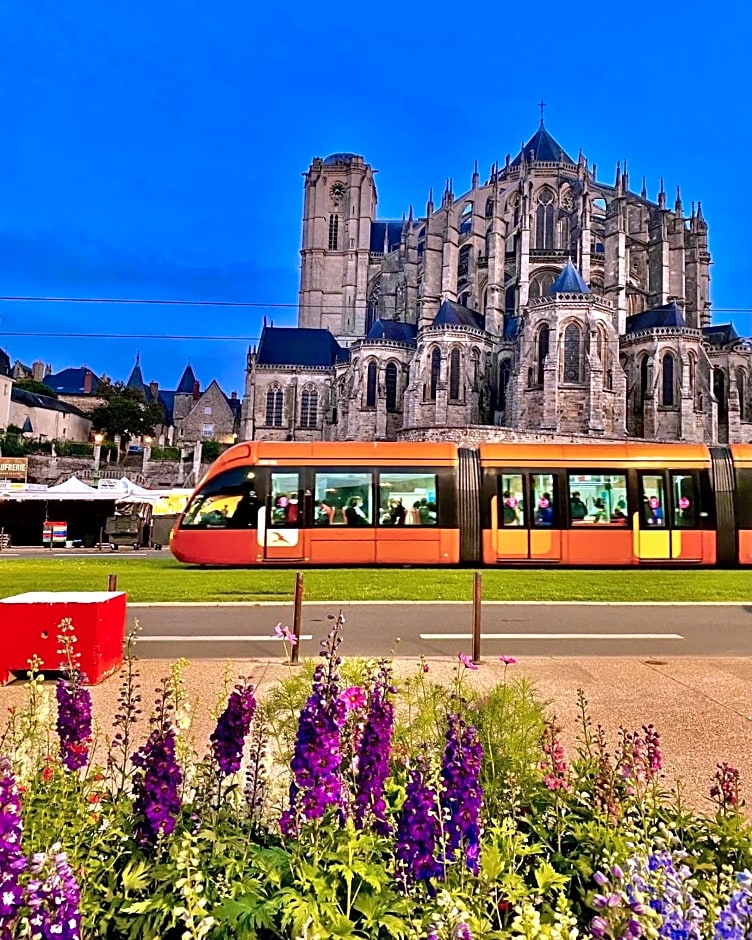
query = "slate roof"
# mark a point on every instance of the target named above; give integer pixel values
(34, 400)
(4, 363)
(167, 400)
(666, 315)
(187, 382)
(544, 148)
(452, 314)
(394, 330)
(297, 346)
(385, 236)
(722, 334)
(569, 282)
(71, 381)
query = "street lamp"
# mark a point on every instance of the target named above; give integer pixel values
(98, 439)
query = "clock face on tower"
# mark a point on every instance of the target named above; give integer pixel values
(337, 190)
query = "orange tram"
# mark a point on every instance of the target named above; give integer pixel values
(359, 503)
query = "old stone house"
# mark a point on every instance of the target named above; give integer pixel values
(543, 300)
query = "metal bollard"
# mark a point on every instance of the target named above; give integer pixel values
(477, 601)
(297, 616)
(112, 582)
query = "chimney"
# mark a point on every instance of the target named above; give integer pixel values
(233, 396)
(154, 389)
(196, 391)
(37, 370)
(88, 382)
(47, 370)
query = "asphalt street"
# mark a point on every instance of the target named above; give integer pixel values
(416, 629)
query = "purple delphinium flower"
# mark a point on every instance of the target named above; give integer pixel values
(652, 750)
(462, 794)
(373, 755)
(157, 780)
(317, 784)
(12, 859)
(53, 897)
(554, 765)
(418, 831)
(666, 886)
(73, 721)
(735, 920)
(228, 738)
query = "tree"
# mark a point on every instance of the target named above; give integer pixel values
(39, 388)
(124, 412)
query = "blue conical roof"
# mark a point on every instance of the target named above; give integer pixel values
(569, 282)
(136, 379)
(544, 148)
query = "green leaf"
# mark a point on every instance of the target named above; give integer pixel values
(135, 877)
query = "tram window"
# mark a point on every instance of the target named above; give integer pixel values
(512, 500)
(598, 498)
(228, 501)
(343, 499)
(408, 499)
(684, 504)
(653, 500)
(544, 499)
(286, 508)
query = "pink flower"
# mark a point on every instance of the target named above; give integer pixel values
(285, 633)
(353, 698)
(507, 660)
(466, 661)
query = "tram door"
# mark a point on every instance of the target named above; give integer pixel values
(669, 518)
(529, 527)
(281, 518)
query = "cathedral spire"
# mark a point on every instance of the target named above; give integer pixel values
(644, 192)
(429, 204)
(475, 176)
(661, 196)
(678, 208)
(618, 177)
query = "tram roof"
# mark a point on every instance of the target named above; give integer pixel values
(553, 455)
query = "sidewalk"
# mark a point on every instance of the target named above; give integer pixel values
(702, 708)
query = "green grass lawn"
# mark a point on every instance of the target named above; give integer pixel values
(163, 579)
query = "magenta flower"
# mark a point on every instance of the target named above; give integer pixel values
(285, 633)
(353, 698)
(466, 661)
(507, 660)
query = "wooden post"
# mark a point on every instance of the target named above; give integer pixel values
(297, 615)
(2, 538)
(477, 600)
(101, 538)
(112, 582)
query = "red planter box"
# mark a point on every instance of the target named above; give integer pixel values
(29, 626)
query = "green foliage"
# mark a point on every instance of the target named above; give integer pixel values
(165, 453)
(210, 450)
(124, 412)
(12, 444)
(39, 388)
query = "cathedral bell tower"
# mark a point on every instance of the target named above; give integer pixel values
(340, 205)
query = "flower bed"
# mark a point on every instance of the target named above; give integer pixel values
(345, 804)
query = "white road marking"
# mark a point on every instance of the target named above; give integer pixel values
(554, 636)
(226, 638)
(407, 603)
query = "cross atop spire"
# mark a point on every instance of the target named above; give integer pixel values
(542, 106)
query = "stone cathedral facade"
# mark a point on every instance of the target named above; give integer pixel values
(542, 303)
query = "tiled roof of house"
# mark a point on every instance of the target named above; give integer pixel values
(34, 400)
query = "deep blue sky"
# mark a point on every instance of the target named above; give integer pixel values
(155, 149)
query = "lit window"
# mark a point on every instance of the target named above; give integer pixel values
(653, 501)
(407, 499)
(286, 507)
(207, 430)
(597, 498)
(684, 501)
(343, 498)
(543, 492)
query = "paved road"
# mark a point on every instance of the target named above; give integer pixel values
(444, 629)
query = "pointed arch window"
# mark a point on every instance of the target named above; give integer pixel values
(474, 367)
(333, 232)
(390, 382)
(274, 401)
(540, 285)
(741, 388)
(454, 375)
(463, 267)
(544, 220)
(309, 407)
(643, 378)
(543, 338)
(668, 378)
(572, 353)
(466, 219)
(505, 373)
(510, 300)
(435, 372)
(489, 208)
(719, 390)
(489, 234)
(371, 385)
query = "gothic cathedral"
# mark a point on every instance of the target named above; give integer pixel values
(542, 304)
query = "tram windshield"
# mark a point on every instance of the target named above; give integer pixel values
(227, 501)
